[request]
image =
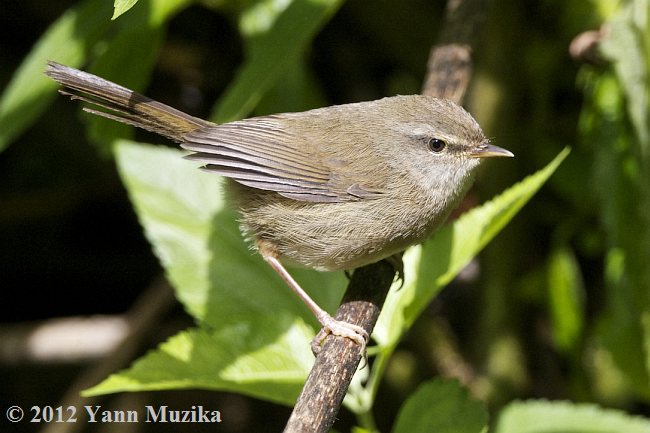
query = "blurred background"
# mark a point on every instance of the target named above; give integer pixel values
(556, 307)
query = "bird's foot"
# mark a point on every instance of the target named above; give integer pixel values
(341, 329)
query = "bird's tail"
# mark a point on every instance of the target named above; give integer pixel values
(122, 104)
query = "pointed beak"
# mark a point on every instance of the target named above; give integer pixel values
(487, 150)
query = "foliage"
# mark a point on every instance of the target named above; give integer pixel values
(565, 291)
(616, 121)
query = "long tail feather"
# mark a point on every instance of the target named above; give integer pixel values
(122, 104)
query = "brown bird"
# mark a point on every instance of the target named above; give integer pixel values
(331, 188)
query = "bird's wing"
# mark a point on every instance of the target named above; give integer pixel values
(267, 153)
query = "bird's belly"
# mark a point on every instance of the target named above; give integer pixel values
(333, 236)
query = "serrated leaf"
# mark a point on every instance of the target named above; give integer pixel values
(441, 407)
(121, 6)
(251, 360)
(430, 267)
(565, 417)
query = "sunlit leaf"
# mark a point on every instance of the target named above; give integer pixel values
(121, 6)
(243, 358)
(195, 235)
(565, 417)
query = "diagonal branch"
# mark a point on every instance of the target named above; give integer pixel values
(448, 76)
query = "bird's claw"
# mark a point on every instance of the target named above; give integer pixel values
(341, 329)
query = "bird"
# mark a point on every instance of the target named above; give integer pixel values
(332, 188)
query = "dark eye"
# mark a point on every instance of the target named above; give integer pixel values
(436, 145)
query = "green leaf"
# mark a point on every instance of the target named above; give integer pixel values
(620, 181)
(67, 41)
(441, 407)
(564, 417)
(276, 37)
(250, 339)
(430, 267)
(252, 360)
(177, 214)
(219, 280)
(121, 6)
(566, 298)
(196, 237)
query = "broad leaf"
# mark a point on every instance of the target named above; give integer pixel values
(565, 417)
(246, 314)
(441, 407)
(244, 358)
(196, 237)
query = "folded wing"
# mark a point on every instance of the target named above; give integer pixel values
(265, 153)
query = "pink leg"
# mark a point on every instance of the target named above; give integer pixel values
(330, 325)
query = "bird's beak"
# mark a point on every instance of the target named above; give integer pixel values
(487, 150)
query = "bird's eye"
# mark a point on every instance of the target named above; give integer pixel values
(436, 145)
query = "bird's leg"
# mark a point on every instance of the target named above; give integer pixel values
(330, 325)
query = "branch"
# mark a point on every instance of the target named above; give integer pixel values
(449, 72)
(449, 68)
(339, 357)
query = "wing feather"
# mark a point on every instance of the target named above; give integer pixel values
(263, 153)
